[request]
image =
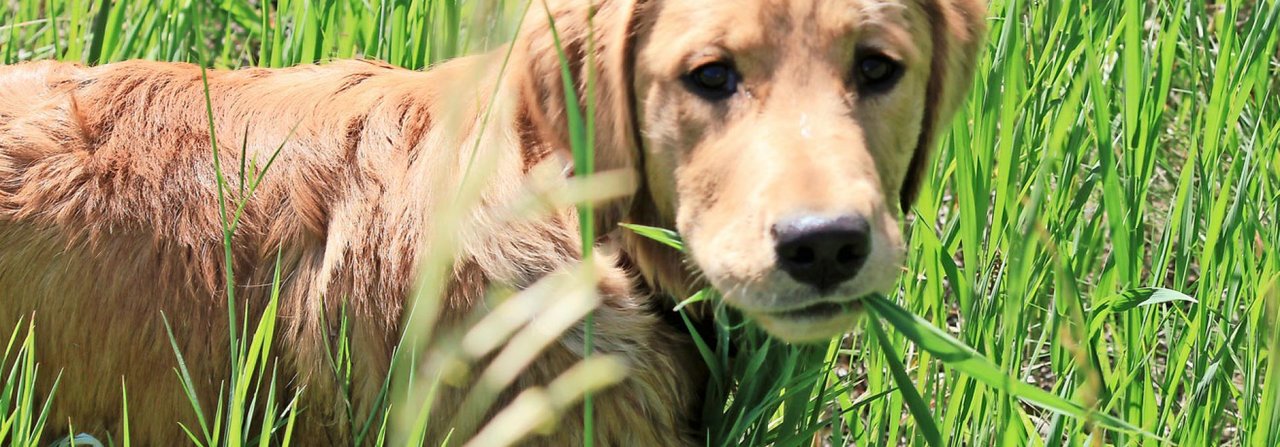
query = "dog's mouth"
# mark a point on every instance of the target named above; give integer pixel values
(817, 311)
(804, 307)
(813, 322)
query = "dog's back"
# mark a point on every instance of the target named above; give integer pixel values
(109, 217)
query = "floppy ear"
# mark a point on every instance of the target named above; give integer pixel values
(958, 30)
(605, 30)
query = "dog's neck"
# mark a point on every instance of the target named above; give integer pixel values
(664, 269)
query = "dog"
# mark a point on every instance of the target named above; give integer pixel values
(782, 139)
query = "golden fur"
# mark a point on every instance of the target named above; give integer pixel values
(108, 202)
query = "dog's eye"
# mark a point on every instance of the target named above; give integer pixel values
(877, 73)
(714, 81)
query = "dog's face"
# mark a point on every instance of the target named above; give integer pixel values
(778, 136)
(782, 138)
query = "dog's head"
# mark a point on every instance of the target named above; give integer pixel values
(783, 139)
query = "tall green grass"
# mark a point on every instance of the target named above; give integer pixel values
(1095, 259)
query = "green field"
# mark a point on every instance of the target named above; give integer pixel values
(1095, 259)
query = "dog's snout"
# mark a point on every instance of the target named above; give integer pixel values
(822, 252)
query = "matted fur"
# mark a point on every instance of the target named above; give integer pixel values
(108, 199)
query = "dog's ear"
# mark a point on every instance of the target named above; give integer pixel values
(601, 32)
(958, 31)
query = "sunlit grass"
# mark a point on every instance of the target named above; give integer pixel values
(1093, 261)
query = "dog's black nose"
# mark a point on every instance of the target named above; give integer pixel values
(822, 252)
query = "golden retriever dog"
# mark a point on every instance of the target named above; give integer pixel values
(783, 139)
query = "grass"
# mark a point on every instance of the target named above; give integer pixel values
(1094, 261)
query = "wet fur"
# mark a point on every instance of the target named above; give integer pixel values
(109, 218)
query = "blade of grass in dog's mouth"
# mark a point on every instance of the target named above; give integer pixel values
(961, 357)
